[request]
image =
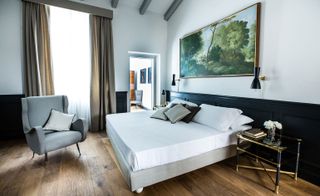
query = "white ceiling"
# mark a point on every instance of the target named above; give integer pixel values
(157, 6)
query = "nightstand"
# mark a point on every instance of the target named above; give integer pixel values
(256, 149)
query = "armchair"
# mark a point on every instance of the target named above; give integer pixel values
(138, 98)
(35, 113)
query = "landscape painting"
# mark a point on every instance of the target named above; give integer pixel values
(228, 47)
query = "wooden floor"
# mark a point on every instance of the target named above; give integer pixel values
(95, 173)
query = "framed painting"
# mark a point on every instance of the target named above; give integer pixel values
(143, 76)
(149, 75)
(229, 47)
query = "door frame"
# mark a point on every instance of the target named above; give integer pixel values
(143, 55)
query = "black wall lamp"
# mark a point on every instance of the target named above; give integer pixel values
(174, 80)
(256, 80)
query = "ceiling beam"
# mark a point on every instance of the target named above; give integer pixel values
(173, 7)
(114, 3)
(144, 6)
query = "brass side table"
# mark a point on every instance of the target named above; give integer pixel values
(242, 140)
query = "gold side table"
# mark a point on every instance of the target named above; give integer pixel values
(278, 149)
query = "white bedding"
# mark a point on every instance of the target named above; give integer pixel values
(145, 142)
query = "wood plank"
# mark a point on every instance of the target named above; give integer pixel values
(96, 173)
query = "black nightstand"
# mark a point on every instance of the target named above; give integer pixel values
(257, 150)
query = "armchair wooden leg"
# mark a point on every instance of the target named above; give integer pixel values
(33, 155)
(78, 149)
(46, 156)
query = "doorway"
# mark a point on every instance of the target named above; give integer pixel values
(142, 82)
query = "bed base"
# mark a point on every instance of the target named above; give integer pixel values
(139, 179)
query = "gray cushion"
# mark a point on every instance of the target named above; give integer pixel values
(57, 140)
(159, 114)
(177, 113)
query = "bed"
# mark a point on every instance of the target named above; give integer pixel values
(150, 150)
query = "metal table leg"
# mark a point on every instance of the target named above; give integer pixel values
(238, 142)
(297, 162)
(278, 172)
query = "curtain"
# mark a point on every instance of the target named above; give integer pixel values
(102, 96)
(37, 57)
(70, 38)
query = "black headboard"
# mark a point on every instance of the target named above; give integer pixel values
(300, 120)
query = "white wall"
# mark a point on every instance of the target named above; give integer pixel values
(131, 32)
(10, 47)
(290, 45)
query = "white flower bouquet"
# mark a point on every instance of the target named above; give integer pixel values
(272, 125)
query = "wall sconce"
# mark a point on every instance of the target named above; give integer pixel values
(256, 80)
(174, 80)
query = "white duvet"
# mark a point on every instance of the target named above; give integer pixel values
(145, 142)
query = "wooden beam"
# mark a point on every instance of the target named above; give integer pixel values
(144, 6)
(76, 6)
(114, 3)
(173, 7)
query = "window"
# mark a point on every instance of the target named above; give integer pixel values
(70, 47)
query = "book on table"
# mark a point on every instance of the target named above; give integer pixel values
(255, 133)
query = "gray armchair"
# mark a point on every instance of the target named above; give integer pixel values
(138, 100)
(35, 113)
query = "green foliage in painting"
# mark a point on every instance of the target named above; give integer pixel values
(224, 48)
(190, 47)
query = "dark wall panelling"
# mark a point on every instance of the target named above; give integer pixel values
(299, 120)
(121, 98)
(10, 117)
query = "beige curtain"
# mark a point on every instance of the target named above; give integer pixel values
(38, 66)
(102, 98)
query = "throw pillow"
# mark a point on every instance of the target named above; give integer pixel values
(59, 121)
(159, 114)
(177, 113)
(174, 104)
(193, 110)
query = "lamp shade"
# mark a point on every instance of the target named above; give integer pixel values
(173, 80)
(256, 83)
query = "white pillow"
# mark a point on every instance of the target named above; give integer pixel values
(180, 101)
(219, 118)
(241, 128)
(59, 121)
(241, 120)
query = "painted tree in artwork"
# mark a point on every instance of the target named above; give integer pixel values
(190, 46)
(227, 47)
(249, 51)
(228, 53)
(232, 38)
(213, 52)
